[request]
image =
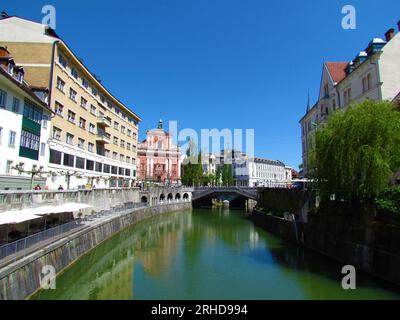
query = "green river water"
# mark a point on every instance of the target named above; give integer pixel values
(206, 254)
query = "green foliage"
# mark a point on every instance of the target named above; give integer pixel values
(357, 151)
(227, 178)
(389, 200)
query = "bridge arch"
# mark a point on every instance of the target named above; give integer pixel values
(170, 197)
(178, 197)
(144, 199)
(162, 197)
(185, 196)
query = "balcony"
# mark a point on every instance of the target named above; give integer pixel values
(103, 121)
(103, 137)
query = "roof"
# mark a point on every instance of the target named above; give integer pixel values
(26, 89)
(337, 70)
(268, 161)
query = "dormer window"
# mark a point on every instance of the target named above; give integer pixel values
(20, 77)
(10, 68)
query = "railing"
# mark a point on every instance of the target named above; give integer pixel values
(16, 247)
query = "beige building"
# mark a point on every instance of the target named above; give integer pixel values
(94, 136)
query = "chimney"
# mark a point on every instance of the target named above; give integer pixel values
(389, 34)
(4, 52)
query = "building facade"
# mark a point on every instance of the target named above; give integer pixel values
(259, 172)
(24, 129)
(373, 74)
(159, 159)
(94, 136)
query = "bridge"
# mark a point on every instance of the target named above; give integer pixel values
(239, 195)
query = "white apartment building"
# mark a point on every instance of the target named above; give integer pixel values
(373, 74)
(24, 129)
(258, 172)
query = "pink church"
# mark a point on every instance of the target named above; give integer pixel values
(159, 159)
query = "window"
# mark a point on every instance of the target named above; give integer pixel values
(80, 163)
(70, 138)
(128, 146)
(81, 143)
(123, 129)
(42, 149)
(127, 172)
(107, 153)
(94, 91)
(32, 112)
(62, 60)
(3, 98)
(121, 157)
(83, 103)
(114, 170)
(128, 159)
(71, 116)
(15, 106)
(56, 133)
(102, 99)
(366, 82)
(74, 73)
(129, 132)
(82, 123)
(347, 96)
(121, 171)
(134, 136)
(93, 109)
(72, 94)
(55, 156)
(60, 84)
(85, 83)
(11, 139)
(29, 140)
(91, 147)
(8, 166)
(92, 128)
(58, 109)
(44, 123)
(99, 167)
(116, 125)
(106, 168)
(122, 144)
(10, 68)
(89, 165)
(115, 155)
(68, 160)
(326, 93)
(115, 141)
(333, 104)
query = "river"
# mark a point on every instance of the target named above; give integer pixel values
(206, 254)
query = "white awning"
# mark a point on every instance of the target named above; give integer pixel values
(15, 217)
(19, 216)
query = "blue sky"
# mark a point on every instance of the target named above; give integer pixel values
(216, 63)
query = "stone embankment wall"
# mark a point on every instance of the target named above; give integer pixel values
(353, 234)
(22, 278)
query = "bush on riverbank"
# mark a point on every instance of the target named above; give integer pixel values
(389, 200)
(357, 151)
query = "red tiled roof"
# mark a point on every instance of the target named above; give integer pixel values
(336, 69)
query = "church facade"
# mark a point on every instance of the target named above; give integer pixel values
(159, 159)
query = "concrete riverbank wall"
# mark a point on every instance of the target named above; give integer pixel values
(353, 234)
(21, 279)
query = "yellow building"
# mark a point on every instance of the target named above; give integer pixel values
(94, 136)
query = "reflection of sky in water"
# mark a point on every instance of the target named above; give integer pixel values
(204, 255)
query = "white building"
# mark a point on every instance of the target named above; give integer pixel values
(258, 172)
(24, 128)
(373, 74)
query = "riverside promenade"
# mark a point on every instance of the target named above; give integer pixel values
(20, 273)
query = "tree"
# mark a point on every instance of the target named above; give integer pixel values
(356, 152)
(227, 177)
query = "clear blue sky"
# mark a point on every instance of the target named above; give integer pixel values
(216, 63)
